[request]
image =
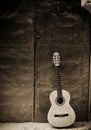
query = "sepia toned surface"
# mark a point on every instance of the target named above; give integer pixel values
(17, 65)
(41, 126)
(68, 33)
(28, 37)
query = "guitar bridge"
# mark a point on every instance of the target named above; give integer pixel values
(61, 115)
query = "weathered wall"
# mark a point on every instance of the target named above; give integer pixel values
(68, 33)
(24, 97)
(17, 64)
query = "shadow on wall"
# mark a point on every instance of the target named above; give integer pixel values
(9, 5)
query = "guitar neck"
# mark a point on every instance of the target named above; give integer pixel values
(58, 82)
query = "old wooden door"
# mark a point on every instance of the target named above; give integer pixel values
(28, 38)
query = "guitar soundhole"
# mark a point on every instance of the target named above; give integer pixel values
(60, 100)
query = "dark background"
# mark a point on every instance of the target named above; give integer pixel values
(30, 31)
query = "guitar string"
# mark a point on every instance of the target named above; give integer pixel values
(58, 81)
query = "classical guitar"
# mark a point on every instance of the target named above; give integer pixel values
(61, 114)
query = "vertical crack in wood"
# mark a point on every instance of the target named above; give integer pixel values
(34, 59)
(89, 105)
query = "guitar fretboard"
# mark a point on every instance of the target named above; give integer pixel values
(58, 82)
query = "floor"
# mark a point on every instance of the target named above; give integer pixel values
(41, 126)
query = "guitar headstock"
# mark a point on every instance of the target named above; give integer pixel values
(56, 59)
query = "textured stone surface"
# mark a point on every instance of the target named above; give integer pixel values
(68, 33)
(17, 64)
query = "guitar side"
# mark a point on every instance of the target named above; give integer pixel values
(61, 115)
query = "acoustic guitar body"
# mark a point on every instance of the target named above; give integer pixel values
(60, 114)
